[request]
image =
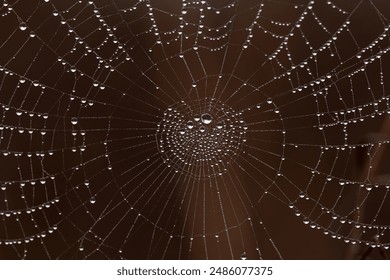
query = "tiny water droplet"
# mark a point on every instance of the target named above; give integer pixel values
(190, 124)
(23, 26)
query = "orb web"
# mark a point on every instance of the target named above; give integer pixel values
(237, 129)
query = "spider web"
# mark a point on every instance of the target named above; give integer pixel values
(192, 129)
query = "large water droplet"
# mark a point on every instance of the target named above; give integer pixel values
(206, 118)
(74, 121)
(92, 200)
(23, 26)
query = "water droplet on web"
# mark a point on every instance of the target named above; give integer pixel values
(202, 129)
(92, 200)
(243, 256)
(219, 125)
(23, 26)
(196, 118)
(206, 118)
(190, 124)
(74, 121)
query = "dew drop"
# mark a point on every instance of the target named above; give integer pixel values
(74, 121)
(23, 26)
(190, 124)
(243, 256)
(206, 118)
(92, 200)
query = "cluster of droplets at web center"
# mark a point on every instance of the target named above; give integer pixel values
(200, 138)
